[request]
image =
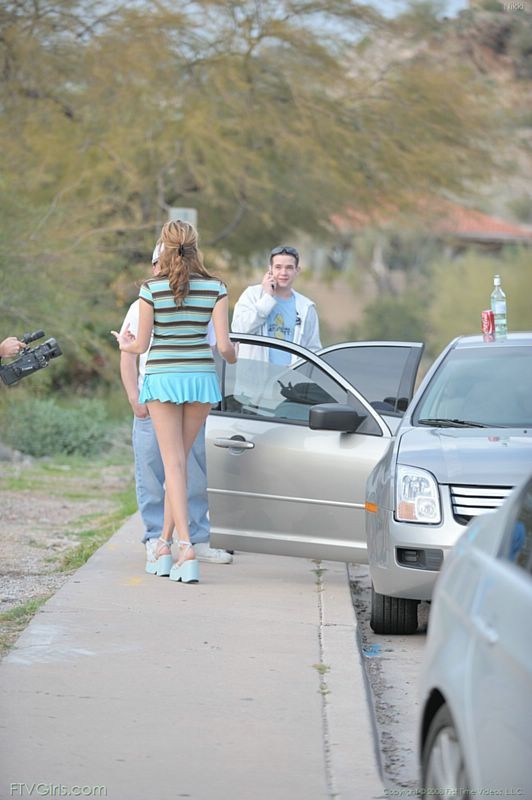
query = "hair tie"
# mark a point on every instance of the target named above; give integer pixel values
(181, 250)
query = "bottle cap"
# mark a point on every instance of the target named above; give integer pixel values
(496, 280)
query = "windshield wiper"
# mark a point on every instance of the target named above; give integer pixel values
(453, 423)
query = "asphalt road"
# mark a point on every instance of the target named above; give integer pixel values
(392, 667)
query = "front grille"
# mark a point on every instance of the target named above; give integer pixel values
(470, 501)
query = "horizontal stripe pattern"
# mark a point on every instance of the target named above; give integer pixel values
(179, 341)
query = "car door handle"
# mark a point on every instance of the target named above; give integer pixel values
(486, 631)
(238, 443)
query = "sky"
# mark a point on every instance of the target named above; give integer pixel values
(392, 7)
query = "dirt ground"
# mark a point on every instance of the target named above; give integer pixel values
(41, 523)
(36, 531)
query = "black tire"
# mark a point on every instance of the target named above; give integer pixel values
(443, 767)
(393, 615)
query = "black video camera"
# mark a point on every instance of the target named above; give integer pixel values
(30, 359)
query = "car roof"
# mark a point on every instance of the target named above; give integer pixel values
(512, 339)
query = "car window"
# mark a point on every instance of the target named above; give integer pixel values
(517, 543)
(488, 386)
(255, 387)
(377, 378)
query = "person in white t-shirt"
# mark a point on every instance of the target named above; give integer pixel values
(149, 469)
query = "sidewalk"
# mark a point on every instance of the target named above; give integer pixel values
(212, 691)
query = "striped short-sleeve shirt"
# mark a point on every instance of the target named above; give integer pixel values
(180, 341)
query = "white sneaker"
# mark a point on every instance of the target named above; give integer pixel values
(151, 544)
(206, 553)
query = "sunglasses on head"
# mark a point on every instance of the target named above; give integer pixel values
(285, 250)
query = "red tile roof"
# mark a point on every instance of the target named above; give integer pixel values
(470, 224)
(449, 219)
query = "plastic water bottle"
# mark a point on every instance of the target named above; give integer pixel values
(498, 306)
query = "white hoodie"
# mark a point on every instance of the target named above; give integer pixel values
(251, 316)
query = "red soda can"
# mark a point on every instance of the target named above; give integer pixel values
(488, 325)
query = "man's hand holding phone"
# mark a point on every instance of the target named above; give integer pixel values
(268, 283)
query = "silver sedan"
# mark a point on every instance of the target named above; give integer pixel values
(463, 444)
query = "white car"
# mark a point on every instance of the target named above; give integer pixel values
(475, 734)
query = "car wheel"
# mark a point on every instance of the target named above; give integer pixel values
(395, 615)
(443, 767)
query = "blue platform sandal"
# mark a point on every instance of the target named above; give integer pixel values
(163, 563)
(186, 571)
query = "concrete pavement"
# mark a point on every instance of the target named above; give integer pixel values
(247, 685)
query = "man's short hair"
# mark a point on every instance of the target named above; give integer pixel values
(284, 249)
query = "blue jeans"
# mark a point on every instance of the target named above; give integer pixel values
(149, 482)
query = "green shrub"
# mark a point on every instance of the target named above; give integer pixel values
(522, 208)
(522, 48)
(43, 427)
(492, 5)
(395, 318)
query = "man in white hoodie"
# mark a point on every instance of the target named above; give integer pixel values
(273, 308)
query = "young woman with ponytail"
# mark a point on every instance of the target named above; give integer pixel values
(180, 383)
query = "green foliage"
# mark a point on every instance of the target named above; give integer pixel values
(108, 477)
(522, 208)
(42, 427)
(12, 622)
(461, 290)
(399, 318)
(23, 613)
(505, 31)
(410, 249)
(103, 528)
(521, 47)
(421, 17)
(116, 404)
(265, 117)
(492, 5)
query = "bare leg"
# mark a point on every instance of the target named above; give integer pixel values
(194, 415)
(168, 529)
(176, 427)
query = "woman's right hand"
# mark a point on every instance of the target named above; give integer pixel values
(220, 319)
(229, 352)
(235, 351)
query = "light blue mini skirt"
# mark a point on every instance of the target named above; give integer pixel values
(181, 387)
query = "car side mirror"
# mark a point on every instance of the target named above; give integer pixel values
(334, 417)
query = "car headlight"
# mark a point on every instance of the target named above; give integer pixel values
(416, 496)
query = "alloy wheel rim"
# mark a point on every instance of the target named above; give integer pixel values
(445, 767)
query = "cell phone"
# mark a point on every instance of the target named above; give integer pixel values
(270, 273)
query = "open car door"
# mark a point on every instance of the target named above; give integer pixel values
(290, 446)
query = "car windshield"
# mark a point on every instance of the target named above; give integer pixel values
(480, 387)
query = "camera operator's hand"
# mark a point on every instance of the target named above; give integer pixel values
(10, 347)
